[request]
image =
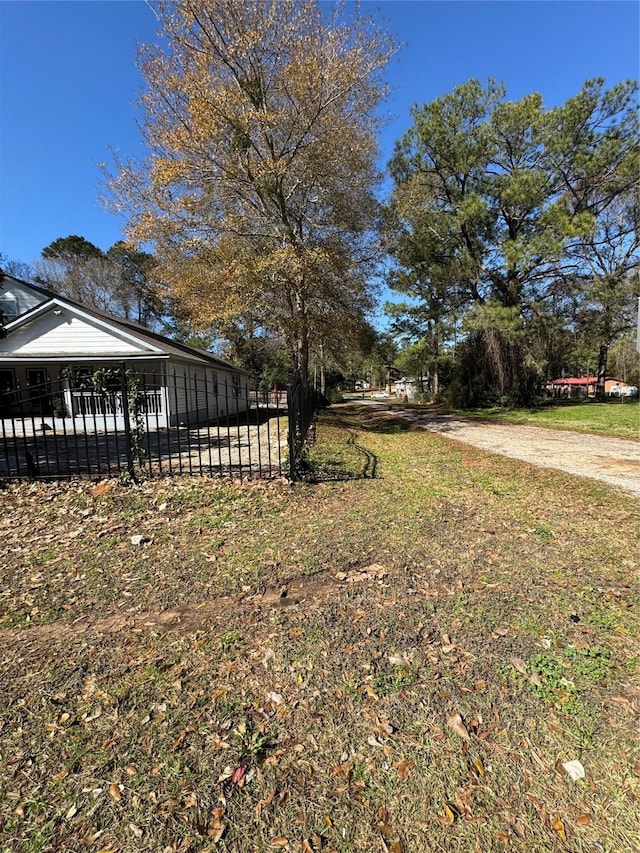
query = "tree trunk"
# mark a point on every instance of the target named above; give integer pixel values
(602, 371)
(323, 378)
(301, 358)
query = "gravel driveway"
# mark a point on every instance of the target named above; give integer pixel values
(612, 460)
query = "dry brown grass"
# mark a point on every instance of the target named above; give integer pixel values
(392, 664)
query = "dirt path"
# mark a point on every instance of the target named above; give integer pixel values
(612, 460)
(192, 617)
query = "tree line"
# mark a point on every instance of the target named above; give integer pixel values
(511, 229)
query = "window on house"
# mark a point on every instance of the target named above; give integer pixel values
(235, 385)
(7, 390)
(214, 383)
(8, 307)
(7, 381)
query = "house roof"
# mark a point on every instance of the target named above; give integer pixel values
(152, 342)
(583, 380)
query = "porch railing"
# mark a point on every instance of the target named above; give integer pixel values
(85, 403)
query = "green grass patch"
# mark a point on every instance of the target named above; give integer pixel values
(617, 419)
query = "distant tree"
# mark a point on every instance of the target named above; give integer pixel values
(608, 255)
(496, 210)
(258, 188)
(72, 247)
(16, 269)
(264, 355)
(624, 361)
(378, 364)
(139, 295)
(119, 281)
(76, 268)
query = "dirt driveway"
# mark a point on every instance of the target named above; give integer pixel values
(612, 460)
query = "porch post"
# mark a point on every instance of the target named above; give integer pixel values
(127, 421)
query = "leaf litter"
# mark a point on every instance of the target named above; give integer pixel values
(153, 695)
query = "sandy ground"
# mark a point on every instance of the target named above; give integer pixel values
(611, 460)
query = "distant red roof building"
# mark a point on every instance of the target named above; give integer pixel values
(581, 385)
(582, 380)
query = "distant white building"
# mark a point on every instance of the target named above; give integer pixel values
(408, 387)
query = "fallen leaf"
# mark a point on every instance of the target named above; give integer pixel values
(376, 570)
(281, 841)
(217, 826)
(454, 722)
(478, 768)
(227, 773)
(558, 825)
(583, 820)
(383, 727)
(276, 698)
(268, 656)
(102, 488)
(449, 816)
(114, 790)
(238, 774)
(403, 768)
(265, 802)
(574, 770)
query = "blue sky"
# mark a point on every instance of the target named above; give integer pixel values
(69, 82)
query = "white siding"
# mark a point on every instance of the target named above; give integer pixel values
(189, 399)
(25, 297)
(66, 334)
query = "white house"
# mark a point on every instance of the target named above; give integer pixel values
(54, 348)
(409, 388)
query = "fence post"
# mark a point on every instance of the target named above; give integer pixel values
(131, 471)
(292, 421)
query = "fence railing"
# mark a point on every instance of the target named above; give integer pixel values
(185, 422)
(94, 403)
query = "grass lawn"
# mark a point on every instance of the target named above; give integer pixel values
(436, 649)
(616, 418)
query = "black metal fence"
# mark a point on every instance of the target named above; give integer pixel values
(124, 423)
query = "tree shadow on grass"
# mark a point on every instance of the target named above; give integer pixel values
(356, 462)
(378, 419)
